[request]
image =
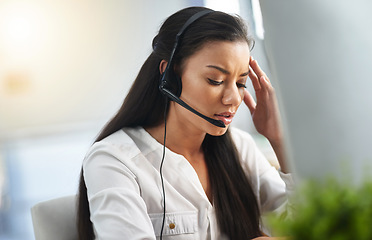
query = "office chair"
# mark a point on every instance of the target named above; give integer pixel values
(55, 219)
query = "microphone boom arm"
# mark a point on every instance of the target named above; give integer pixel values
(173, 97)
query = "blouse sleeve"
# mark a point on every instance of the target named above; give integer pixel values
(271, 186)
(116, 207)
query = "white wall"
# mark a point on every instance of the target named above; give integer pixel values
(71, 62)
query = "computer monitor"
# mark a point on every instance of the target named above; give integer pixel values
(320, 56)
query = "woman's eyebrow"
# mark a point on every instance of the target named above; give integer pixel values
(219, 69)
(224, 71)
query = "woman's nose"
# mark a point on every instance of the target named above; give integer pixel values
(232, 96)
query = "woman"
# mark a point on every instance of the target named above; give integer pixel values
(158, 170)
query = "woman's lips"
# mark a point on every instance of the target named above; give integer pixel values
(225, 117)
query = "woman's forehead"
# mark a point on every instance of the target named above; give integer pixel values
(225, 53)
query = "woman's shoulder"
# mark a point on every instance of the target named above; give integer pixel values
(116, 142)
(121, 137)
(240, 136)
(246, 146)
(130, 141)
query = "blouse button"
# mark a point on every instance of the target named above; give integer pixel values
(172, 225)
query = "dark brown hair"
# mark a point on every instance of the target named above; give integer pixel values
(234, 201)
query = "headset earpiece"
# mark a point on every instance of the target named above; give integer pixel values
(171, 81)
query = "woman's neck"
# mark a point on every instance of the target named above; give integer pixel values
(179, 140)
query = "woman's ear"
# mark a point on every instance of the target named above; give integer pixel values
(163, 64)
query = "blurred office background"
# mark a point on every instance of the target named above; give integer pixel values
(65, 67)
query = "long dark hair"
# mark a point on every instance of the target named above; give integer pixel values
(234, 201)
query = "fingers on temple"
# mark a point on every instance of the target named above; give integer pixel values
(255, 81)
(256, 69)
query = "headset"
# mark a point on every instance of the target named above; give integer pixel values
(170, 76)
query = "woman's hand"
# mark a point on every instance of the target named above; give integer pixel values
(265, 113)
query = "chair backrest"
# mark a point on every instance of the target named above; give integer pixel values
(55, 219)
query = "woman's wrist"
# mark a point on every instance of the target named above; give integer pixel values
(279, 149)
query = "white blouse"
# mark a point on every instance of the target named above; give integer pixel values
(125, 192)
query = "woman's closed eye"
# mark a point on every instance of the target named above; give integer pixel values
(241, 85)
(217, 83)
(214, 82)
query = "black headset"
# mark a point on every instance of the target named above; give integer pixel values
(170, 77)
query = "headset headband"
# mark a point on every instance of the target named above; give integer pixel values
(192, 19)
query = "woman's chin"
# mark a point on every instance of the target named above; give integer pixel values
(218, 131)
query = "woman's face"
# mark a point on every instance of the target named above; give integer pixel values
(213, 81)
